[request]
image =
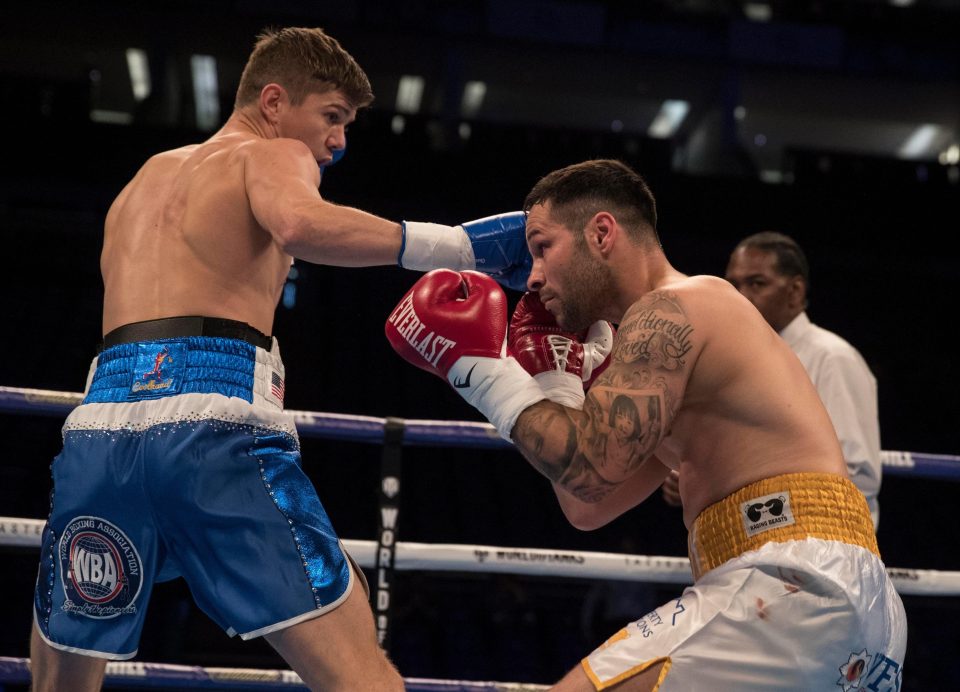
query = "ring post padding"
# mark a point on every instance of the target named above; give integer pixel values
(388, 524)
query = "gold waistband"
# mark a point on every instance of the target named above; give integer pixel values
(783, 508)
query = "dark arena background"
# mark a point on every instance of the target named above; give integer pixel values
(835, 122)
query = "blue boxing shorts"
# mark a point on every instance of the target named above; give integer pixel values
(181, 462)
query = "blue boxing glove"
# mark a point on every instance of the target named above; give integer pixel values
(495, 245)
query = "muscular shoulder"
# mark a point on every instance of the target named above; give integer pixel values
(163, 161)
(672, 325)
(658, 328)
(178, 154)
(279, 158)
(696, 297)
(705, 289)
(280, 148)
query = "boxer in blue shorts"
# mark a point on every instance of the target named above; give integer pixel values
(234, 515)
(181, 461)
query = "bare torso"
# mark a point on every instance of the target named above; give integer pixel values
(181, 239)
(749, 410)
(720, 397)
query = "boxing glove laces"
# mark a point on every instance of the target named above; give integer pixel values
(562, 362)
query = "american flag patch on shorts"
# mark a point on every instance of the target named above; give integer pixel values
(276, 385)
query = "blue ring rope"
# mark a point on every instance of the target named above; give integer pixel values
(437, 433)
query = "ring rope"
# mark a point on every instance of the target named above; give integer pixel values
(20, 532)
(152, 675)
(370, 429)
(455, 557)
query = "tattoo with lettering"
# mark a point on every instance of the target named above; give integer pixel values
(627, 411)
(655, 331)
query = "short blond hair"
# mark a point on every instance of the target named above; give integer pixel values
(302, 61)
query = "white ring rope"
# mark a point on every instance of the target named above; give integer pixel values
(454, 557)
(151, 675)
(27, 533)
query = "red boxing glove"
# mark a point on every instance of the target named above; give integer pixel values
(454, 324)
(563, 363)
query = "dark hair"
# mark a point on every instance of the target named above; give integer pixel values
(579, 191)
(790, 258)
(302, 61)
(625, 405)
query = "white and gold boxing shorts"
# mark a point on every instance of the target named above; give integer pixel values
(789, 594)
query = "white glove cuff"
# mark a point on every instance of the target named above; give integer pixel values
(563, 388)
(429, 246)
(596, 347)
(497, 387)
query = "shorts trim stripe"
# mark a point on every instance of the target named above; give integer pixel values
(303, 617)
(77, 650)
(635, 670)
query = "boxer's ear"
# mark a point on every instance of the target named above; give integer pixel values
(273, 99)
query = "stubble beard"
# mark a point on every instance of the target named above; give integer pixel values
(589, 289)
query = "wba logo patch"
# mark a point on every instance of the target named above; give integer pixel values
(100, 569)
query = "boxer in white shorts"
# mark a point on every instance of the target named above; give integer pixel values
(790, 592)
(779, 616)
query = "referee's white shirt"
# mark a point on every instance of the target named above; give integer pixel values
(849, 391)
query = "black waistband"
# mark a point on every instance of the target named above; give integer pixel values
(172, 327)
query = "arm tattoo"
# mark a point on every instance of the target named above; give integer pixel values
(547, 435)
(627, 411)
(656, 332)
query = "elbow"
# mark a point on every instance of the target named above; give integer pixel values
(583, 517)
(305, 227)
(586, 525)
(584, 509)
(290, 235)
